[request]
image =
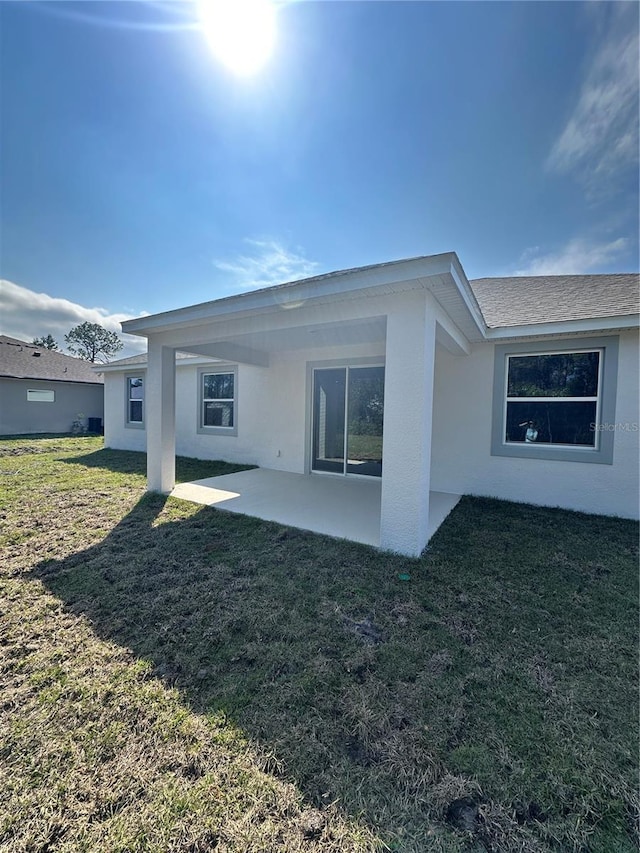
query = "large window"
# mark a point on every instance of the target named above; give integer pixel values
(135, 401)
(218, 401)
(555, 403)
(552, 398)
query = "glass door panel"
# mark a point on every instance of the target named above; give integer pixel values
(329, 394)
(364, 420)
(350, 399)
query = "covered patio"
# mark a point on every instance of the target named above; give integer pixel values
(343, 507)
(326, 385)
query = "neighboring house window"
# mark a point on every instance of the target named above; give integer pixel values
(218, 390)
(135, 401)
(555, 402)
(41, 396)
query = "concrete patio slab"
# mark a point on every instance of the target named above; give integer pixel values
(343, 507)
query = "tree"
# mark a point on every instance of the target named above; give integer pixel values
(48, 342)
(93, 343)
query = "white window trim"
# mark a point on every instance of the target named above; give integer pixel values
(602, 452)
(217, 430)
(597, 399)
(41, 395)
(129, 424)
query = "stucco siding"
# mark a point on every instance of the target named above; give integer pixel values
(272, 410)
(273, 418)
(461, 450)
(117, 434)
(19, 416)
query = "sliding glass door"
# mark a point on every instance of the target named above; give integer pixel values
(364, 420)
(347, 420)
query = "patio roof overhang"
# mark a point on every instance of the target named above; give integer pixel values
(323, 311)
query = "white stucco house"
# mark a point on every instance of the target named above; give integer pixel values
(383, 393)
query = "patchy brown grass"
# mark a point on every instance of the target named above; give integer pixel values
(174, 678)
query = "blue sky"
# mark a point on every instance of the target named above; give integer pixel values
(140, 174)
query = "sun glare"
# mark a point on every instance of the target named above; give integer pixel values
(241, 33)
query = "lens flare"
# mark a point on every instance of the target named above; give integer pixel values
(241, 33)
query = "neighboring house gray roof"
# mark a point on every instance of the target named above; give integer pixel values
(527, 300)
(20, 360)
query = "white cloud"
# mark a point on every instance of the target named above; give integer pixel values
(576, 257)
(26, 314)
(600, 138)
(267, 263)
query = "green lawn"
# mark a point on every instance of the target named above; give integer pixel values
(174, 678)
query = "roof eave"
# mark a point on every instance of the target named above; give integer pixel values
(467, 294)
(339, 285)
(565, 327)
(51, 379)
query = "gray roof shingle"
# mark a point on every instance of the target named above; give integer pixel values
(20, 360)
(527, 300)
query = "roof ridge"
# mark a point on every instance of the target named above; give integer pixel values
(555, 275)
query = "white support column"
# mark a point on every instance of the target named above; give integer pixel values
(406, 450)
(160, 416)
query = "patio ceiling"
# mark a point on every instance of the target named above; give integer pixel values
(255, 347)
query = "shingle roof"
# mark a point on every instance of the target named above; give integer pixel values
(527, 300)
(20, 360)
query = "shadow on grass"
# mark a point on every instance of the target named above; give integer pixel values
(39, 436)
(393, 698)
(253, 619)
(135, 462)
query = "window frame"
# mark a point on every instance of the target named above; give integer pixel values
(42, 395)
(127, 400)
(602, 451)
(217, 370)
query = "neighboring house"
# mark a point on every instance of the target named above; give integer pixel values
(45, 391)
(519, 388)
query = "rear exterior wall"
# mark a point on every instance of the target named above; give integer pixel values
(273, 410)
(461, 457)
